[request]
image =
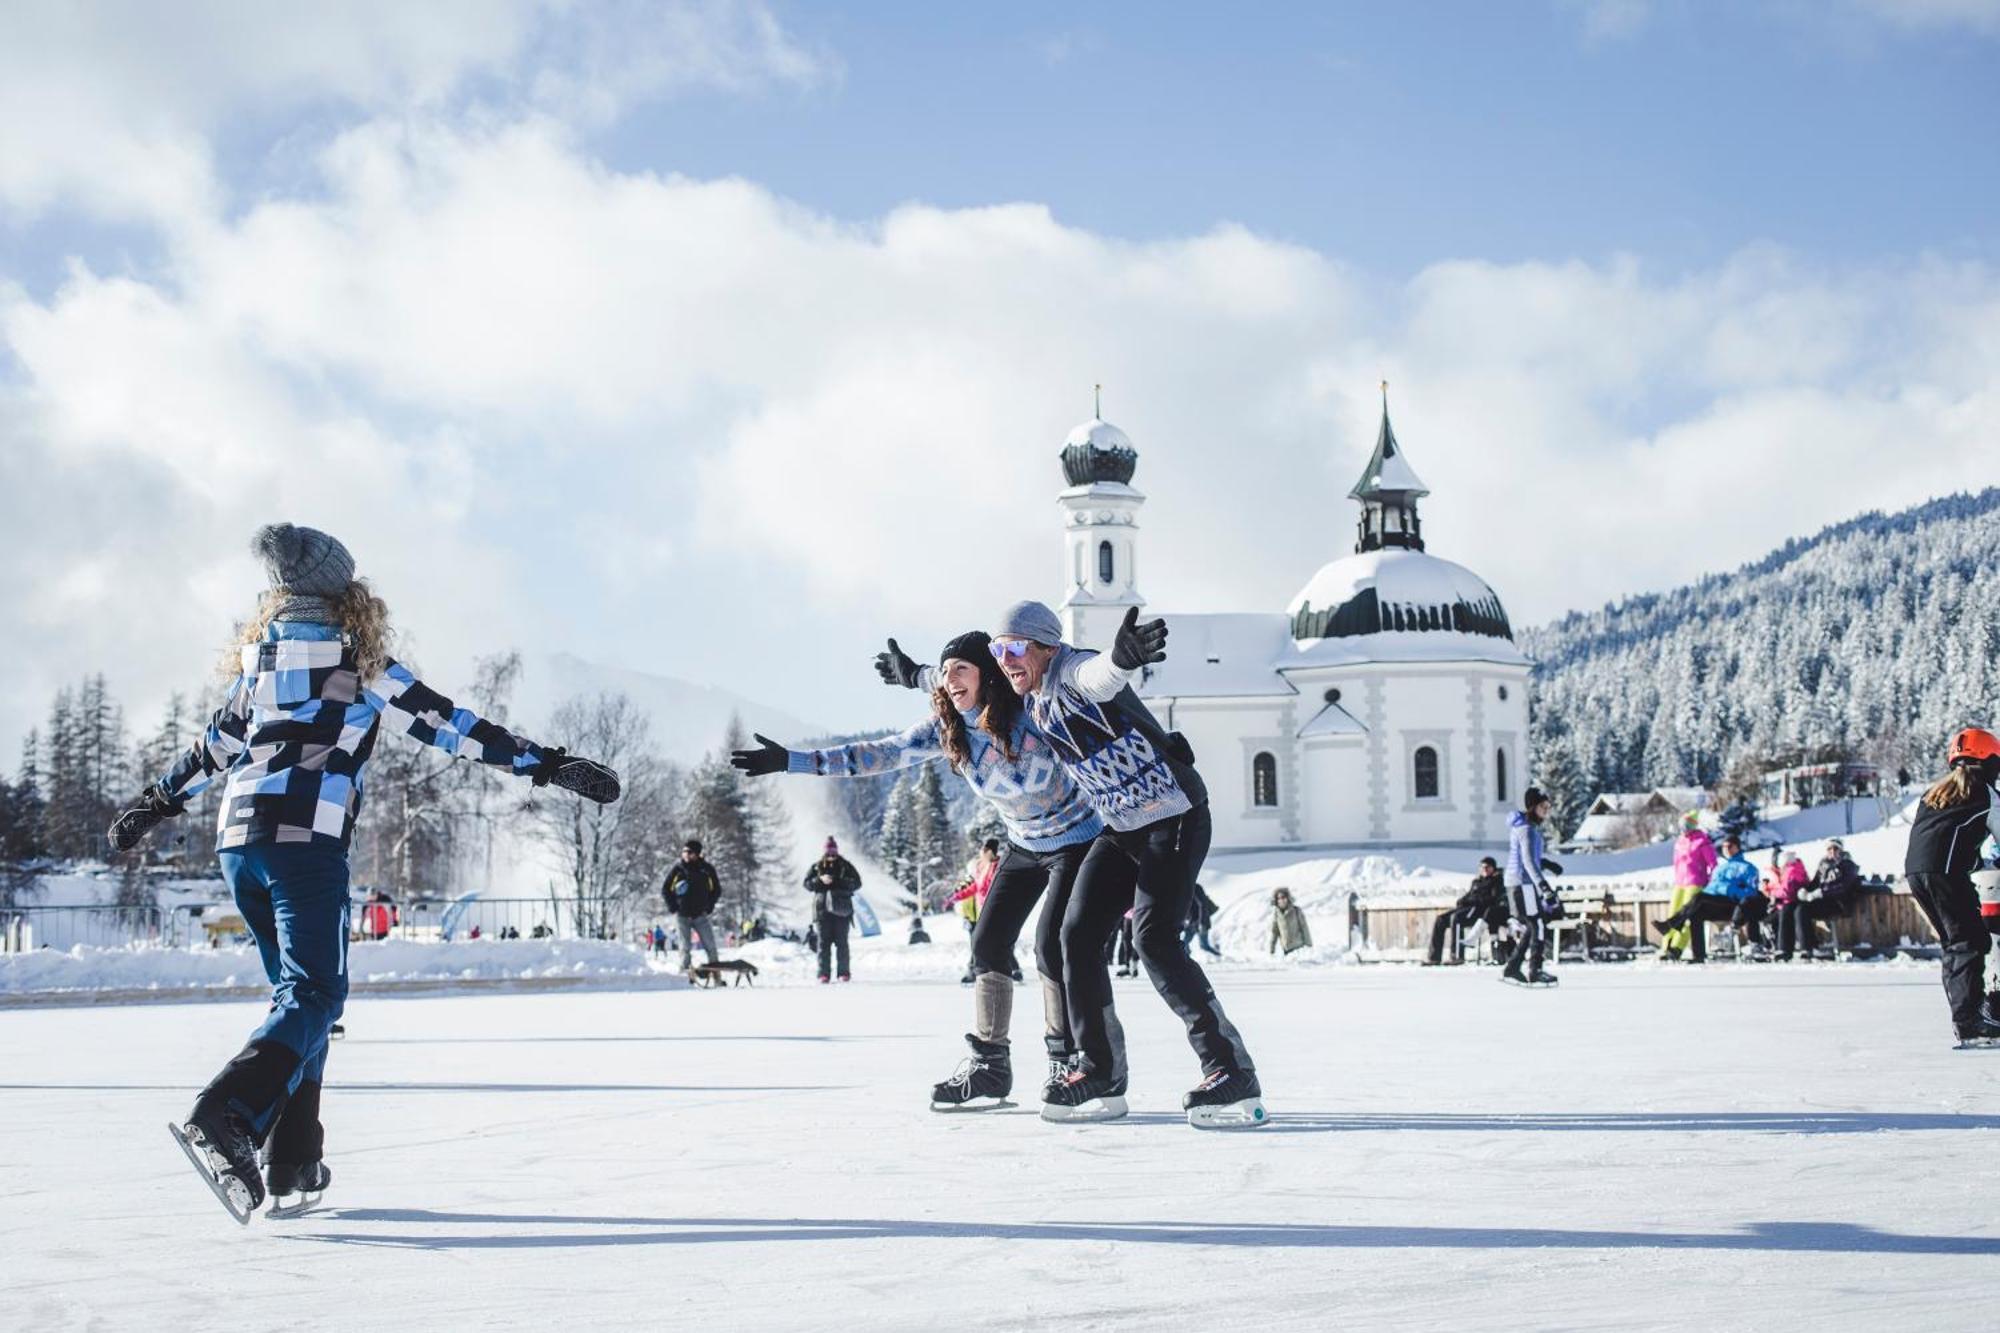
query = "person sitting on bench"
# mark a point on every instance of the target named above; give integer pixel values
(1834, 891)
(1485, 901)
(1731, 895)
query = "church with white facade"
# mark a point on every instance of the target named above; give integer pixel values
(1387, 705)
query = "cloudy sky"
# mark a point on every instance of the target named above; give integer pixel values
(720, 339)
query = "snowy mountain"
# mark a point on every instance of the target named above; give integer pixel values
(1879, 636)
(688, 719)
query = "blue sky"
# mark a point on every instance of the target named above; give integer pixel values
(721, 338)
(1390, 135)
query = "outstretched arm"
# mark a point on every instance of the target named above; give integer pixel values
(857, 759)
(1100, 676)
(417, 710)
(215, 750)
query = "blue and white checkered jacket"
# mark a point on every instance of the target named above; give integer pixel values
(298, 727)
(1032, 793)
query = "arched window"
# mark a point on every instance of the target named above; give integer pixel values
(1500, 787)
(1264, 779)
(1426, 773)
(1104, 562)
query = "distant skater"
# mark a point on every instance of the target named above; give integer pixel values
(314, 682)
(1953, 819)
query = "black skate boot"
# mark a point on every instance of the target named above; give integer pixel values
(1978, 1034)
(294, 1175)
(1083, 1098)
(981, 1082)
(1226, 1099)
(220, 1135)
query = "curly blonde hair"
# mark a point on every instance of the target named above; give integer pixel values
(363, 619)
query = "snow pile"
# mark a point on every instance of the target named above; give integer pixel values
(141, 968)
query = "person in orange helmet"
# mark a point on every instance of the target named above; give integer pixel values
(1953, 819)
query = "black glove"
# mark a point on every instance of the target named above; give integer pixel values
(770, 757)
(1137, 644)
(151, 808)
(897, 667)
(586, 777)
(1551, 867)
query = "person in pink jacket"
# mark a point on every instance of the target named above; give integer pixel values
(1788, 878)
(1694, 862)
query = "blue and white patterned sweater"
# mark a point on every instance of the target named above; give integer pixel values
(298, 727)
(1033, 793)
(1111, 742)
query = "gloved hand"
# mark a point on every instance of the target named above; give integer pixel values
(149, 809)
(1137, 644)
(586, 777)
(770, 757)
(897, 667)
(1551, 867)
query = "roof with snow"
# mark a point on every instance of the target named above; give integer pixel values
(1388, 472)
(1098, 451)
(1395, 592)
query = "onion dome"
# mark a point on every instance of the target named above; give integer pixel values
(1098, 451)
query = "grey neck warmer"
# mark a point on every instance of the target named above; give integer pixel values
(311, 610)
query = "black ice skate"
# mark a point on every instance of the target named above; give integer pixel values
(220, 1147)
(1082, 1098)
(981, 1082)
(1226, 1100)
(295, 1189)
(1980, 1034)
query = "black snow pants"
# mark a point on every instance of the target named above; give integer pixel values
(1023, 878)
(1951, 905)
(832, 943)
(1452, 926)
(1151, 870)
(1524, 907)
(1707, 907)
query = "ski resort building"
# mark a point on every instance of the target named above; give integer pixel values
(1387, 704)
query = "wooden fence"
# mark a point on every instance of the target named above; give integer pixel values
(1612, 919)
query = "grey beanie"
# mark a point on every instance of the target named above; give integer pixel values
(1029, 620)
(305, 561)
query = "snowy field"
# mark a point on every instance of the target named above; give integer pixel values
(1646, 1147)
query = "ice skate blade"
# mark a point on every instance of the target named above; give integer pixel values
(1246, 1114)
(976, 1104)
(1526, 984)
(1977, 1044)
(307, 1200)
(234, 1195)
(1087, 1113)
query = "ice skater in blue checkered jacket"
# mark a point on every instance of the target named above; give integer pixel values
(315, 686)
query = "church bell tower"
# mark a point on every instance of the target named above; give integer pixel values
(1100, 532)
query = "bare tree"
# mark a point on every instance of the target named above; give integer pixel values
(608, 855)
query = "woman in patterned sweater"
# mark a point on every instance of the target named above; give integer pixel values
(979, 727)
(314, 683)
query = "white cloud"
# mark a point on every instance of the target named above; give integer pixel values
(687, 425)
(114, 107)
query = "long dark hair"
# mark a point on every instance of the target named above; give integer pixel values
(999, 713)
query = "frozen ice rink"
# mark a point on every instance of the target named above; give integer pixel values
(1745, 1147)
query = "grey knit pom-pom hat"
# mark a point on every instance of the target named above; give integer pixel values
(305, 561)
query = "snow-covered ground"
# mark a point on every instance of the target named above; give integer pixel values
(1644, 1148)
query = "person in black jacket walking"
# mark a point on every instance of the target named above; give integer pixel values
(833, 881)
(692, 890)
(1485, 901)
(1952, 820)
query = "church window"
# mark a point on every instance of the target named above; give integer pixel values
(1426, 764)
(1264, 779)
(1104, 562)
(1499, 775)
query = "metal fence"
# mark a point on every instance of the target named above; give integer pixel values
(23, 929)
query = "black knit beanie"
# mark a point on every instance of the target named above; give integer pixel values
(976, 646)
